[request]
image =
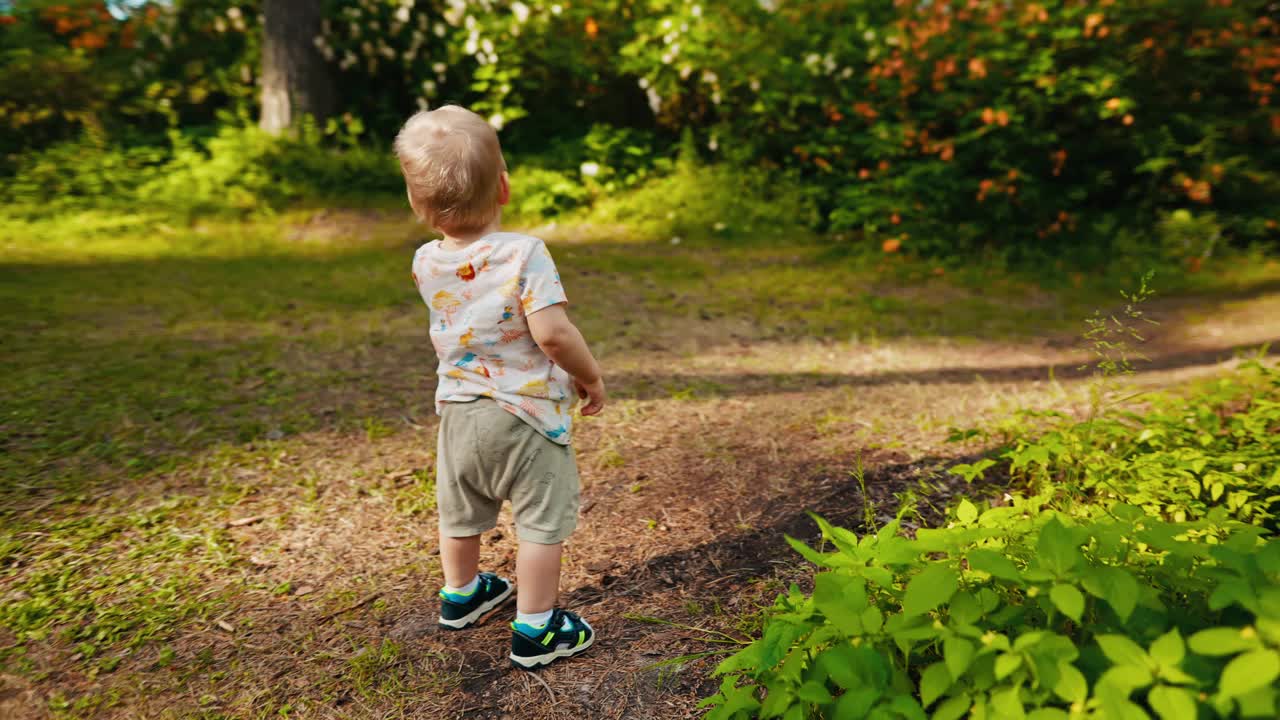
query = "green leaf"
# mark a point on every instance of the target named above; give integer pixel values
(1221, 641)
(1118, 587)
(1126, 677)
(958, 654)
(994, 564)
(805, 551)
(841, 600)
(1168, 649)
(966, 512)
(856, 703)
(953, 708)
(1122, 651)
(1006, 664)
(872, 620)
(1069, 600)
(1172, 703)
(1071, 685)
(934, 683)
(1007, 704)
(929, 589)
(1047, 713)
(1057, 548)
(1249, 671)
(813, 692)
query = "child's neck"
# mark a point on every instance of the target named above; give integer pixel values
(462, 240)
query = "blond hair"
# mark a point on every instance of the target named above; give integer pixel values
(452, 165)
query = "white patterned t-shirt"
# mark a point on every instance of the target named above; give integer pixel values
(479, 297)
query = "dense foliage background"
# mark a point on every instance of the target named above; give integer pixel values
(933, 128)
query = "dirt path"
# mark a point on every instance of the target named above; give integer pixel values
(710, 453)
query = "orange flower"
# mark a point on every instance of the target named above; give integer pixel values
(1012, 175)
(591, 28)
(1092, 21)
(1113, 104)
(1200, 192)
(1127, 120)
(939, 272)
(884, 165)
(863, 174)
(1059, 160)
(895, 219)
(1002, 118)
(977, 68)
(822, 163)
(948, 152)
(988, 116)
(892, 245)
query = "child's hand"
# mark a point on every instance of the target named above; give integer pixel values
(594, 395)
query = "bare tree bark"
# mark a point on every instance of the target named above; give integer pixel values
(295, 76)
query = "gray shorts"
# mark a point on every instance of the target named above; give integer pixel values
(486, 455)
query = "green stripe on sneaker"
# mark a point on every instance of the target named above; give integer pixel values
(582, 635)
(547, 640)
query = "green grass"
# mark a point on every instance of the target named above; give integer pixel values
(159, 378)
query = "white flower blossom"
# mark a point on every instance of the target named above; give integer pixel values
(590, 169)
(710, 78)
(719, 227)
(497, 121)
(643, 83)
(423, 104)
(713, 144)
(754, 85)
(655, 100)
(696, 11)
(666, 24)
(675, 240)
(520, 10)
(685, 72)
(846, 73)
(487, 46)
(439, 68)
(715, 98)
(556, 9)
(768, 5)
(402, 14)
(233, 12)
(439, 29)
(429, 87)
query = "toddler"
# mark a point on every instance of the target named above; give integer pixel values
(512, 366)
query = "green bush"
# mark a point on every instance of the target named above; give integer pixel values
(1038, 608)
(237, 169)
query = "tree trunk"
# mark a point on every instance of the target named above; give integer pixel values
(295, 76)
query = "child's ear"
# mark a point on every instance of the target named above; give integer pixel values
(504, 188)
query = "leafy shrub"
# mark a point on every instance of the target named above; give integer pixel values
(700, 200)
(1036, 609)
(1178, 461)
(538, 193)
(237, 169)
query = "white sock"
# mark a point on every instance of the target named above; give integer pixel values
(465, 589)
(534, 620)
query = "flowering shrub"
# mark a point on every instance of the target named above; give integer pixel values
(973, 122)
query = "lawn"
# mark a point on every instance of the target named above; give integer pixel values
(217, 468)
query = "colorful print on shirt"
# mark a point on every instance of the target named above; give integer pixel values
(479, 298)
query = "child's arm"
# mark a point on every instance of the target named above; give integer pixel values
(561, 341)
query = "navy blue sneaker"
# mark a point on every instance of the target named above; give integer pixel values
(462, 611)
(565, 635)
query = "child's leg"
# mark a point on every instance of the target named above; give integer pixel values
(538, 576)
(460, 557)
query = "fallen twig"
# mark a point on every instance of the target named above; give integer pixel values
(359, 604)
(246, 521)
